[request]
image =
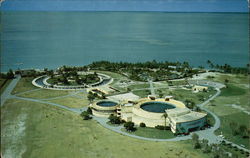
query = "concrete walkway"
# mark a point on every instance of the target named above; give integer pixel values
(151, 87)
(7, 92)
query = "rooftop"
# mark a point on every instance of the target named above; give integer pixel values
(191, 116)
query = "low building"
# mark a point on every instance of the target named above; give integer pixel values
(197, 88)
(183, 120)
(104, 108)
(151, 112)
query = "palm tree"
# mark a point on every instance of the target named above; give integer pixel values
(165, 115)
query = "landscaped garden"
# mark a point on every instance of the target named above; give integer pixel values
(73, 79)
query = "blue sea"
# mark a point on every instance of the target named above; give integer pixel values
(39, 39)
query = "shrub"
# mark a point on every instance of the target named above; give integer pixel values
(197, 145)
(85, 115)
(130, 126)
(142, 124)
(89, 111)
(123, 121)
(114, 119)
(195, 137)
(160, 127)
(206, 149)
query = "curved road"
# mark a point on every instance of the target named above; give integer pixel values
(204, 134)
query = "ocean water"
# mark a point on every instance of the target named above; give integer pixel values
(52, 39)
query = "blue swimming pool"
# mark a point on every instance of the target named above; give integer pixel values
(157, 107)
(106, 103)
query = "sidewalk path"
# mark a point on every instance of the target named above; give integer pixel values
(151, 87)
(7, 92)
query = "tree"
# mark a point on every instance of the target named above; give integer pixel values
(197, 145)
(90, 97)
(103, 96)
(197, 109)
(211, 65)
(243, 130)
(85, 115)
(65, 80)
(10, 74)
(205, 146)
(142, 124)
(226, 82)
(114, 119)
(206, 149)
(165, 115)
(189, 103)
(89, 111)
(50, 73)
(195, 137)
(78, 80)
(128, 89)
(129, 126)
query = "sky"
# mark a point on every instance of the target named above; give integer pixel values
(127, 5)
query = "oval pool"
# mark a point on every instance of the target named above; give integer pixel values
(158, 107)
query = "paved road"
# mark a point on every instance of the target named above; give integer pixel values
(7, 92)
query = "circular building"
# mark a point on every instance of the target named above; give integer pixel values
(151, 112)
(104, 108)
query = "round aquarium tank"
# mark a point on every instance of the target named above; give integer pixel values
(157, 107)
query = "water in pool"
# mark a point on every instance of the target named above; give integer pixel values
(107, 103)
(158, 107)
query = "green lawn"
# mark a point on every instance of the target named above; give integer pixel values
(233, 150)
(183, 94)
(115, 85)
(25, 84)
(45, 94)
(160, 85)
(152, 133)
(179, 82)
(235, 79)
(232, 90)
(238, 94)
(138, 86)
(73, 102)
(142, 93)
(240, 119)
(227, 115)
(179, 94)
(36, 130)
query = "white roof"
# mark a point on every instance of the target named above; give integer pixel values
(168, 97)
(192, 116)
